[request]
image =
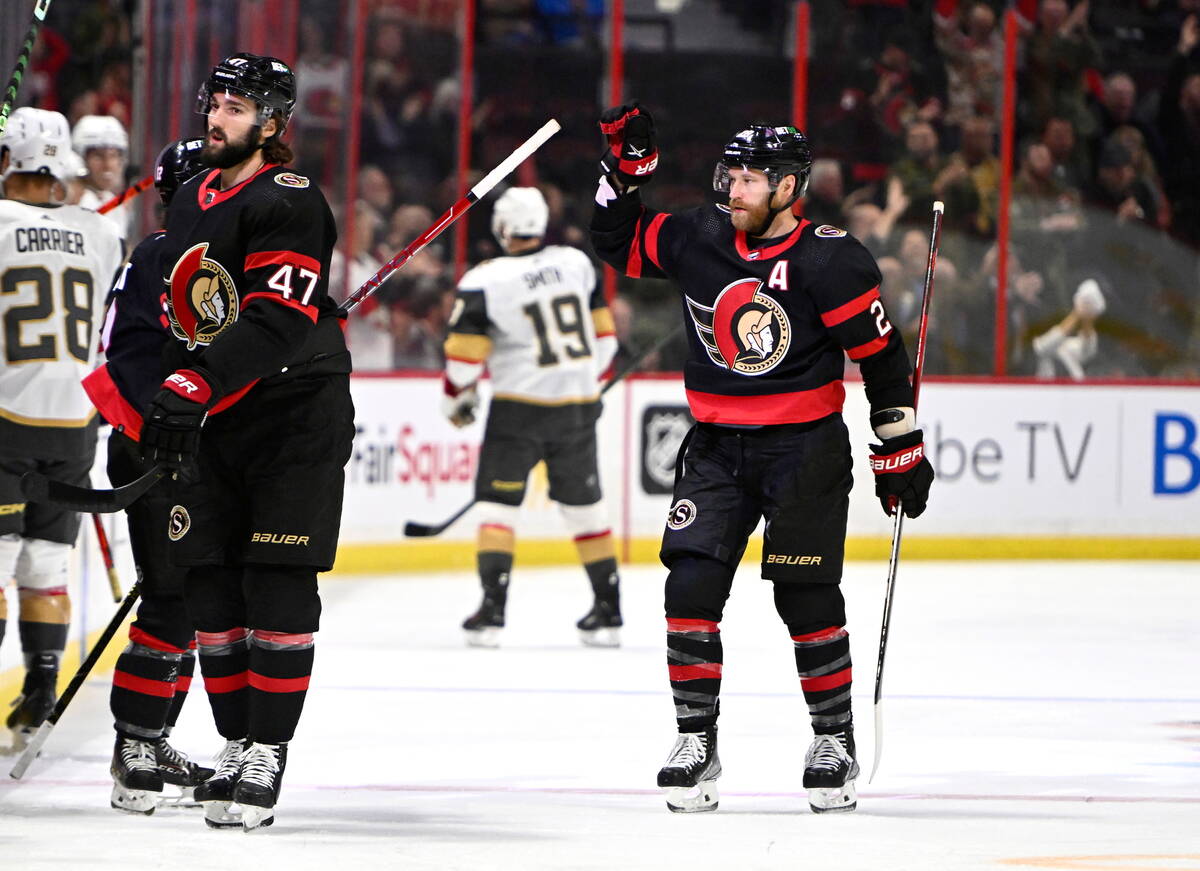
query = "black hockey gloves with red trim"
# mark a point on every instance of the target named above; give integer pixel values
(902, 473)
(632, 156)
(171, 429)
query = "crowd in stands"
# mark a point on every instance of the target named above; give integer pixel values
(906, 102)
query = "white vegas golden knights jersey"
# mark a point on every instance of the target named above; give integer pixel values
(56, 266)
(539, 321)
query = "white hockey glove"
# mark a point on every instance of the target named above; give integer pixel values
(459, 404)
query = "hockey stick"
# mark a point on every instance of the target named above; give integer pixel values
(40, 8)
(114, 583)
(413, 529)
(126, 195)
(34, 747)
(456, 211)
(898, 522)
(36, 487)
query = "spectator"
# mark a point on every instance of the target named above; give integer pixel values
(903, 93)
(970, 183)
(1058, 54)
(918, 169)
(1179, 124)
(1117, 107)
(823, 203)
(1046, 219)
(1118, 189)
(368, 330)
(375, 191)
(1071, 164)
(973, 51)
(1147, 174)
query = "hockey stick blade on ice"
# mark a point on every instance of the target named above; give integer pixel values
(37, 488)
(898, 521)
(412, 529)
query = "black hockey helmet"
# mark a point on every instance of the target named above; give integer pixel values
(777, 151)
(267, 81)
(177, 163)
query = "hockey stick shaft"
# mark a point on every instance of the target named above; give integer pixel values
(898, 521)
(456, 211)
(39, 738)
(421, 530)
(110, 568)
(126, 195)
(40, 8)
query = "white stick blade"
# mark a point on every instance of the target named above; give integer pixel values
(526, 148)
(31, 750)
(878, 740)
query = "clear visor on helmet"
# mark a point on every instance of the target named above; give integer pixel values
(204, 101)
(721, 175)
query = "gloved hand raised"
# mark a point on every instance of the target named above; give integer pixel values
(632, 155)
(902, 473)
(171, 428)
(459, 404)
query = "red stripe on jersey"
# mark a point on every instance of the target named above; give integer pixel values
(835, 316)
(278, 684)
(825, 682)
(138, 636)
(230, 684)
(283, 258)
(113, 407)
(143, 685)
(704, 671)
(678, 625)
(633, 266)
(759, 254)
(771, 408)
(309, 311)
(229, 400)
(209, 198)
(184, 683)
(652, 238)
(832, 633)
(861, 352)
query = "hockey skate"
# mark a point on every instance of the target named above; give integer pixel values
(137, 782)
(32, 706)
(216, 793)
(482, 628)
(829, 772)
(179, 771)
(691, 771)
(258, 785)
(601, 626)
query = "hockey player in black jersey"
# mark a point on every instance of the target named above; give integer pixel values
(258, 360)
(773, 304)
(154, 672)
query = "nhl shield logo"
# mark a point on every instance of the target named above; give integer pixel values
(745, 330)
(202, 299)
(663, 430)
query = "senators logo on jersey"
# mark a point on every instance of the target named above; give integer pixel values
(745, 330)
(202, 299)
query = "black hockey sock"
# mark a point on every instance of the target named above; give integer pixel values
(144, 685)
(42, 643)
(823, 663)
(280, 667)
(495, 567)
(187, 668)
(224, 661)
(606, 584)
(694, 657)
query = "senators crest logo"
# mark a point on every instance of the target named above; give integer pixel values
(202, 299)
(745, 330)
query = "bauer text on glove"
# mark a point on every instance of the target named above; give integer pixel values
(902, 473)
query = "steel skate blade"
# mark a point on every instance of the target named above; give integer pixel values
(697, 799)
(254, 818)
(185, 798)
(489, 636)
(833, 800)
(133, 801)
(609, 636)
(217, 815)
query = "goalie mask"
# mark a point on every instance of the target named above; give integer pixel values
(776, 151)
(267, 81)
(520, 213)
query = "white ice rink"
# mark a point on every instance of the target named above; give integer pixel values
(1037, 715)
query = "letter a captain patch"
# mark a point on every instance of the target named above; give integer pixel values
(778, 279)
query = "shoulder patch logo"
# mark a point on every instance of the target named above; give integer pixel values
(745, 330)
(291, 180)
(827, 232)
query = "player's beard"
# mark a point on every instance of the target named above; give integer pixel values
(231, 152)
(751, 220)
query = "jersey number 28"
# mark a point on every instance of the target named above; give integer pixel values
(22, 320)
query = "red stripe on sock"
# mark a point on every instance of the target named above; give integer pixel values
(678, 625)
(296, 639)
(143, 685)
(183, 684)
(138, 636)
(590, 535)
(825, 682)
(230, 684)
(694, 672)
(831, 633)
(278, 684)
(216, 639)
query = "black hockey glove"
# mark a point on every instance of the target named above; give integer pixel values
(902, 473)
(171, 429)
(632, 156)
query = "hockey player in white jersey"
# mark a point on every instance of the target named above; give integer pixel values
(103, 145)
(539, 322)
(57, 263)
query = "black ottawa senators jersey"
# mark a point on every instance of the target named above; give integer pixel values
(246, 277)
(770, 321)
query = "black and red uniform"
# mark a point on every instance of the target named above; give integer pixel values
(246, 272)
(769, 323)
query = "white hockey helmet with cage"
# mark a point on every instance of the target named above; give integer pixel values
(520, 213)
(38, 141)
(99, 131)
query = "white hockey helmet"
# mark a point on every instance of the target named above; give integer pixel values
(519, 213)
(99, 131)
(38, 141)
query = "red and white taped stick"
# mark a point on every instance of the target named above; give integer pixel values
(110, 567)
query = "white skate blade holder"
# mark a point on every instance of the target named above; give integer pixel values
(608, 636)
(838, 799)
(488, 636)
(184, 798)
(134, 801)
(256, 817)
(217, 815)
(701, 798)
